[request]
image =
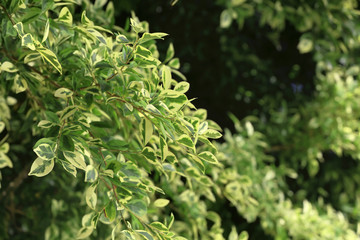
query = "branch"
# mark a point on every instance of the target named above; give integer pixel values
(8, 15)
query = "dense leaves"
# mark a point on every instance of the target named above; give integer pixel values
(123, 153)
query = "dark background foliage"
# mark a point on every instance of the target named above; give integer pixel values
(230, 70)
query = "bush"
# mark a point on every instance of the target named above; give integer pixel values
(98, 112)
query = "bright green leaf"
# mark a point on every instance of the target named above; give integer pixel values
(163, 148)
(138, 207)
(208, 157)
(169, 53)
(91, 174)
(153, 109)
(69, 167)
(211, 133)
(182, 87)
(146, 129)
(166, 77)
(41, 167)
(20, 29)
(149, 154)
(20, 84)
(5, 161)
(50, 57)
(65, 16)
(63, 93)
(145, 235)
(27, 41)
(76, 159)
(91, 197)
(8, 67)
(44, 151)
(186, 141)
(161, 202)
(84, 232)
(46, 31)
(151, 36)
(159, 226)
(225, 18)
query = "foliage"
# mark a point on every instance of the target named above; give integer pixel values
(315, 136)
(102, 106)
(257, 189)
(100, 141)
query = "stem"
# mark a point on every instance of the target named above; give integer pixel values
(8, 15)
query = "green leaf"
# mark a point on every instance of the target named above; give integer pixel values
(27, 41)
(91, 197)
(244, 235)
(2, 126)
(41, 167)
(211, 133)
(172, 219)
(175, 104)
(44, 151)
(50, 57)
(46, 31)
(69, 167)
(208, 157)
(122, 39)
(91, 174)
(20, 84)
(63, 93)
(153, 109)
(233, 234)
(19, 28)
(149, 154)
(89, 220)
(52, 117)
(66, 143)
(5, 147)
(182, 87)
(144, 56)
(65, 16)
(85, 20)
(45, 124)
(161, 202)
(186, 141)
(198, 162)
(225, 18)
(208, 143)
(145, 235)
(151, 36)
(138, 207)
(163, 148)
(68, 112)
(146, 129)
(76, 159)
(97, 35)
(136, 25)
(159, 226)
(84, 232)
(169, 53)
(5, 161)
(203, 128)
(305, 45)
(110, 211)
(174, 63)
(31, 57)
(8, 67)
(166, 77)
